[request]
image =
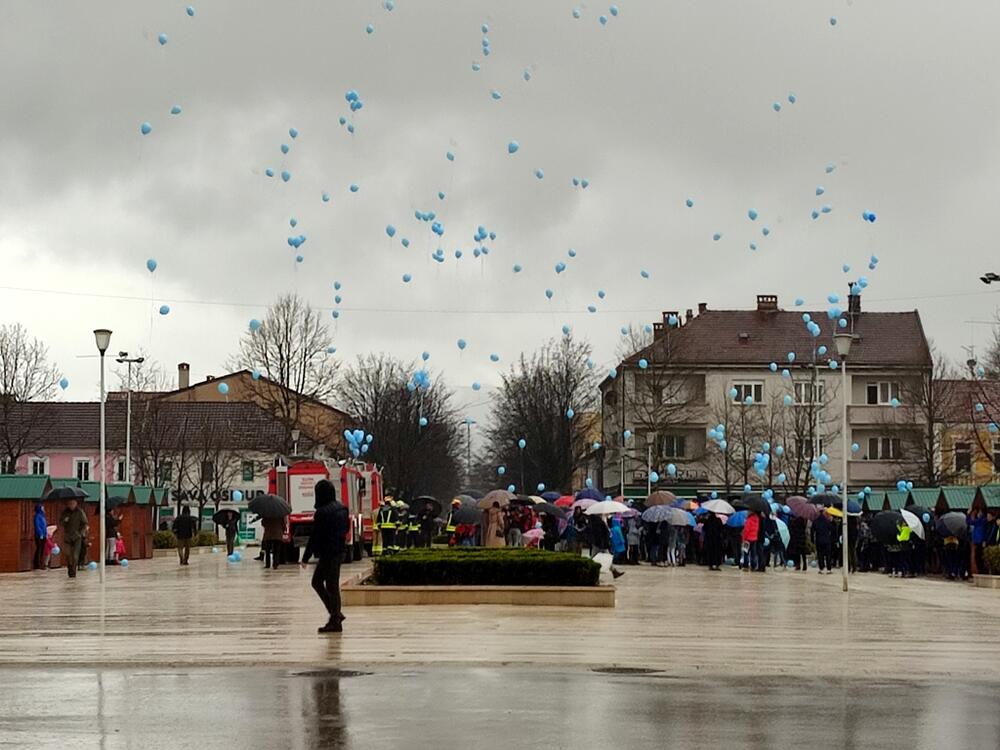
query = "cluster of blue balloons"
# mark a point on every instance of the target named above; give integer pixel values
(357, 441)
(582, 182)
(296, 241)
(904, 486)
(420, 380)
(868, 216)
(718, 433)
(354, 100)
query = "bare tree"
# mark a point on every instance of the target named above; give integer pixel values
(542, 400)
(290, 349)
(147, 376)
(417, 460)
(25, 377)
(634, 339)
(213, 467)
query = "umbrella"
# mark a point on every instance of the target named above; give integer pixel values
(551, 509)
(853, 509)
(113, 502)
(738, 520)
(754, 502)
(918, 511)
(826, 499)
(681, 518)
(522, 500)
(269, 506)
(885, 526)
(533, 535)
(660, 497)
(225, 517)
(834, 512)
(496, 496)
(536, 499)
(914, 522)
(467, 515)
(802, 508)
(421, 503)
(719, 506)
(584, 503)
(953, 524)
(66, 493)
(589, 493)
(474, 494)
(550, 497)
(658, 513)
(783, 532)
(606, 508)
(565, 501)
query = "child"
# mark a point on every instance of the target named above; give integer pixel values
(119, 548)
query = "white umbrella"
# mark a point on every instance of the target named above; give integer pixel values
(719, 506)
(914, 523)
(606, 508)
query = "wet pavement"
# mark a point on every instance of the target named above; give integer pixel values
(484, 708)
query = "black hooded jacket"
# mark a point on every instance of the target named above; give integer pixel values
(330, 525)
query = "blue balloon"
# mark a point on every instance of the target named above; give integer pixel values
(390, 230)
(548, 293)
(163, 39)
(830, 168)
(255, 374)
(494, 357)
(689, 203)
(603, 20)
(450, 156)
(613, 10)
(497, 96)
(653, 476)
(752, 213)
(644, 273)
(643, 364)
(254, 324)
(485, 28)
(175, 110)
(476, 385)
(369, 28)
(91, 565)
(423, 421)
(765, 231)
(512, 147)
(613, 373)
(833, 20)
(284, 148)
(576, 12)
(164, 309)
(353, 188)
(286, 175)
(299, 258)
(269, 172)
(145, 128)
(570, 413)
(672, 470)
(560, 267)
(190, 10)
(717, 236)
(566, 330)
(792, 98)
(522, 443)
(776, 106)
(151, 265)
(753, 245)
(223, 388)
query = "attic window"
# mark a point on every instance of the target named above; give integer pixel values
(744, 338)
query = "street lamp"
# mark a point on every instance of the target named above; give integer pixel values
(469, 421)
(123, 358)
(295, 442)
(102, 336)
(843, 342)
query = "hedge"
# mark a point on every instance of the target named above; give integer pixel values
(167, 540)
(473, 566)
(992, 559)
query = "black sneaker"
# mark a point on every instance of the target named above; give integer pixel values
(617, 574)
(331, 627)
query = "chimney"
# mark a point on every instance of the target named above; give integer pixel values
(702, 307)
(688, 316)
(183, 375)
(767, 303)
(853, 300)
(667, 314)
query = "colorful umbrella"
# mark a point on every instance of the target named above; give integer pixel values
(566, 501)
(738, 520)
(589, 493)
(584, 503)
(496, 496)
(660, 497)
(802, 508)
(783, 532)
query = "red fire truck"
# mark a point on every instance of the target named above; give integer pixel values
(359, 488)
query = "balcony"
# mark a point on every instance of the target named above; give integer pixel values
(873, 472)
(882, 415)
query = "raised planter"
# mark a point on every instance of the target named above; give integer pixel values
(539, 596)
(984, 581)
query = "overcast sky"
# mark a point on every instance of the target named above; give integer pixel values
(668, 100)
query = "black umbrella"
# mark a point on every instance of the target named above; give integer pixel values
(953, 524)
(755, 503)
(269, 506)
(66, 493)
(550, 496)
(827, 500)
(550, 508)
(523, 500)
(225, 517)
(477, 494)
(420, 505)
(467, 515)
(885, 526)
(113, 502)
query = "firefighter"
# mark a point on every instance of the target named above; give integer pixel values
(385, 521)
(413, 530)
(450, 526)
(402, 525)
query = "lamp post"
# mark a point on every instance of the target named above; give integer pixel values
(843, 342)
(123, 358)
(469, 421)
(102, 336)
(295, 442)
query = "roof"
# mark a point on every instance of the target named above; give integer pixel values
(759, 337)
(144, 495)
(991, 495)
(875, 500)
(897, 499)
(959, 498)
(926, 497)
(193, 425)
(957, 400)
(23, 486)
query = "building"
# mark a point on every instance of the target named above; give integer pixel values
(768, 382)
(968, 415)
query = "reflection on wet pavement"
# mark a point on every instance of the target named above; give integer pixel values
(483, 708)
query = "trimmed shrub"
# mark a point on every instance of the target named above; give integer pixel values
(991, 556)
(164, 540)
(473, 566)
(205, 539)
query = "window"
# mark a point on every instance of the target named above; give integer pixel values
(248, 471)
(81, 467)
(120, 470)
(754, 391)
(6, 466)
(655, 392)
(807, 392)
(166, 472)
(882, 393)
(996, 456)
(38, 466)
(963, 457)
(207, 472)
(883, 448)
(672, 446)
(802, 449)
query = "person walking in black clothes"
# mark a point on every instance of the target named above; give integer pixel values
(797, 549)
(327, 543)
(823, 539)
(185, 527)
(712, 534)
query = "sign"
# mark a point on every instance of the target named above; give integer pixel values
(302, 491)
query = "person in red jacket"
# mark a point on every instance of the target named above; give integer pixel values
(751, 542)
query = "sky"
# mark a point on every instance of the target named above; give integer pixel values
(666, 101)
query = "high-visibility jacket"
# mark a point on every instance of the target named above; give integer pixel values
(386, 519)
(903, 534)
(449, 527)
(414, 524)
